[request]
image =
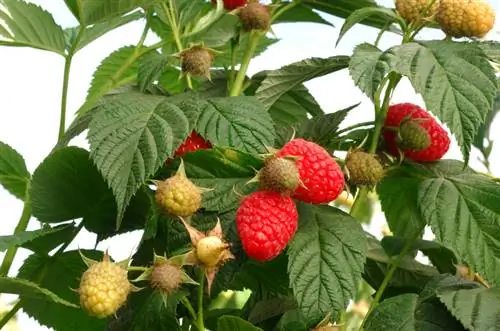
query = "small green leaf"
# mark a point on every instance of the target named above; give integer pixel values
(287, 78)
(220, 32)
(300, 13)
(31, 290)
(89, 12)
(326, 260)
(130, 137)
(456, 80)
(368, 67)
(24, 237)
(234, 323)
(60, 276)
(239, 122)
(26, 24)
(151, 67)
(358, 16)
(477, 309)
(14, 176)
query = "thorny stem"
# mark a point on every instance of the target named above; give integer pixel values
(237, 86)
(201, 290)
(21, 226)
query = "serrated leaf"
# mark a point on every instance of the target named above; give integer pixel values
(14, 176)
(456, 80)
(239, 122)
(326, 260)
(68, 186)
(477, 309)
(59, 276)
(89, 12)
(151, 67)
(408, 312)
(131, 137)
(31, 290)
(300, 13)
(234, 323)
(26, 24)
(273, 307)
(358, 16)
(54, 237)
(368, 67)
(220, 32)
(24, 237)
(282, 80)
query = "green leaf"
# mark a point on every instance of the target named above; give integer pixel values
(14, 176)
(170, 80)
(89, 12)
(477, 309)
(26, 24)
(239, 122)
(358, 16)
(224, 59)
(226, 172)
(151, 67)
(368, 67)
(220, 32)
(68, 186)
(131, 137)
(270, 308)
(456, 80)
(326, 260)
(96, 31)
(300, 13)
(31, 290)
(60, 276)
(287, 78)
(114, 71)
(234, 323)
(398, 197)
(52, 238)
(21, 238)
(411, 313)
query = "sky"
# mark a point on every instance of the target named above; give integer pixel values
(30, 93)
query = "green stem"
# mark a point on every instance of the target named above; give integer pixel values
(237, 86)
(21, 226)
(201, 291)
(6, 318)
(388, 276)
(136, 268)
(189, 307)
(355, 126)
(234, 47)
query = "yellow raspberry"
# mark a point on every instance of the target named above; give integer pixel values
(415, 10)
(104, 288)
(211, 251)
(178, 196)
(465, 18)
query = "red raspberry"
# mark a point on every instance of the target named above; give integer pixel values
(440, 142)
(232, 4)
(266, 222)
(321, 178)
(193, 143)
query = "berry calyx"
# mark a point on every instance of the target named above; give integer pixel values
(363, 168)
(321, 178)
(231, 4)
(416, 10)
(266, 222)
(194, 142)
(401, 113)
(178, 195)
(465, 18)
(279, 175)
(104, 287)
(197, 61)
(254, 16)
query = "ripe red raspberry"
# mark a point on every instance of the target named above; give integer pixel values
(266, 222)
(193, 143)
(440, 142)
(321, 178)
(232, 4)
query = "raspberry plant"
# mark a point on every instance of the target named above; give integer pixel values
(256, 267)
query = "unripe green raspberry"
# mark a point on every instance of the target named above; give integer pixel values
(197, 61)
(178, 196)
(415, 10)
(364, 168)
(254, 16)
(279, 175)
(166, 277)
(411, 136)
(465, 18)
(104, 288)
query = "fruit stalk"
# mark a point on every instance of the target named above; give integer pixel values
(189, 307)
(21, 226)
(237, 86)
(201, 289)
(11, 313)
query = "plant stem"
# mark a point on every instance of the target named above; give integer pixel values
(189, 307)
(237, 86)
(21, 226)
(6, 318)
(354, 126)
(388, 277)
(201, 291)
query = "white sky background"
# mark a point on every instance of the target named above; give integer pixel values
(30, 93)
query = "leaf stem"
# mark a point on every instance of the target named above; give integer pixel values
(201, 291)
(237, 86)
(354, 126)
(21, 226)
(189, 307)
(11, 313)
